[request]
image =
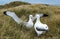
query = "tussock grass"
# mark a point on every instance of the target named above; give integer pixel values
(9, 29)
(13, 4)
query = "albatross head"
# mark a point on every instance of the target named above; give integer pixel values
(31, 17)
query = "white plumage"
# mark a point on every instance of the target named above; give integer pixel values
(30, 23)
(40, 27)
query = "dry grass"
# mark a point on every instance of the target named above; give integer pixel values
(9, 29)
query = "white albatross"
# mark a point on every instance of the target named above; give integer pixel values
(28, 24)
(40, 27)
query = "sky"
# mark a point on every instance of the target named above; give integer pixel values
(53, 2)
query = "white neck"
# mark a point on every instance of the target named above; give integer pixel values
(38, 19)
(30, 19)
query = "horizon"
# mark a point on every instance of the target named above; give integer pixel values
(50, 2)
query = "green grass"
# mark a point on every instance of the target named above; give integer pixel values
(9, 29)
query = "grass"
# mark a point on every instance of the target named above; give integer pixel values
(9, 29)
(13, 4)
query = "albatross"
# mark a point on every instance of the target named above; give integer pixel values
(39, 26)
(28, 24)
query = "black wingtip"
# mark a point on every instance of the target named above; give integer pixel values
(45, 15)
(4, 12)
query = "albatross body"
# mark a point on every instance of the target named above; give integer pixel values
(30, 23)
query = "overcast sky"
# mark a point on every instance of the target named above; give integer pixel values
(33, 1)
